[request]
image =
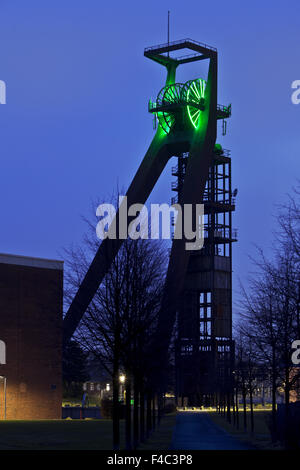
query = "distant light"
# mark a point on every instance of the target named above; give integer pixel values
(122, 378)
(107, 387)
(2, 352)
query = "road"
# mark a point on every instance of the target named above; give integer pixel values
(196, 431)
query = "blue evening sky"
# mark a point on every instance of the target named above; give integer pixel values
(76, 123)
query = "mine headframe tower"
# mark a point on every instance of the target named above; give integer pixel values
(204, 345)
(198, 283)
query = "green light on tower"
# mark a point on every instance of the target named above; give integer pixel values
(195, 94)
(179, 102)
(168, 98)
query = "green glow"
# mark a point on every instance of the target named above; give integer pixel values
(167, 96)
(178, 96)
(172, 94)
(165, 120)
(218, 148)
(195, 92)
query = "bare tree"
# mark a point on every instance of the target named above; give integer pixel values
(118, 327)
(270, 305)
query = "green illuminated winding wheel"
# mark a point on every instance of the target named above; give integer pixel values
(194, 93)
(168, 96)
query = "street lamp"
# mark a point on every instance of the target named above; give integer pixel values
(4, 385)
(122, 378)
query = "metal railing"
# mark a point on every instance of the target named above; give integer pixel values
(224, 109)
(189, 56)
(181, 41)
(152, 105)
(221, 232)
(226, 152)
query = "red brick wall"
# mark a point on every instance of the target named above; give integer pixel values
(31, 327)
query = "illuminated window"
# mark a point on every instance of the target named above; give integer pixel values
(186, 349)
(205, 348)
(2, 352)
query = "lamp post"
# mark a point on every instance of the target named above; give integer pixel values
(122, 379)
(4, 385)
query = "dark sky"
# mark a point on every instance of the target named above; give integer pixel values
(76, 123)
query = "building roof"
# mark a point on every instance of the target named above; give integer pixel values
(31, 262)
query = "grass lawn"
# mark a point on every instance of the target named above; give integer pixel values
(58, 434)
(161, 438)
(75, 435)
(260, 439)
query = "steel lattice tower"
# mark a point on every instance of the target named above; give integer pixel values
(204, 346)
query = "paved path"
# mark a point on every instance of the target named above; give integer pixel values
(196, 431)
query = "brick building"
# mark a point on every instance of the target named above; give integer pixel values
(30, 337)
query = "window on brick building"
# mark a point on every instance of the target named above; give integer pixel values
(2, 352)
